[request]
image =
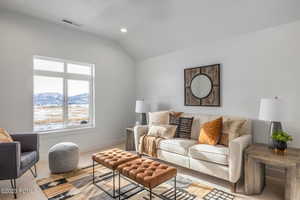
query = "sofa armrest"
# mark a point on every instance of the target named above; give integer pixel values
(236, 151)
(10, 154)
(139, 131)
(29, 141)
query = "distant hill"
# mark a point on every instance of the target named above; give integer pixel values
(79, 99)
(43, 99)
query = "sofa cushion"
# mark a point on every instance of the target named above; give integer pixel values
(216, 154)
(27, 158)
(176, 145)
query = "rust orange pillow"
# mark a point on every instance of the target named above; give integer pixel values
(4, 136)
(211, 132)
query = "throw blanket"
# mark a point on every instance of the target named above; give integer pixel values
(148, 145)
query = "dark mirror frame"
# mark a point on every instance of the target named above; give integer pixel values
(213, 98)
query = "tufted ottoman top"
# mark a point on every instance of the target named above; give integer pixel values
(147, 172)
(113, 158)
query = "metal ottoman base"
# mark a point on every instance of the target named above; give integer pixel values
(123, 195)
(105, 177)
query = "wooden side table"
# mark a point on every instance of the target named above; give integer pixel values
(130, 144)
(259, 155)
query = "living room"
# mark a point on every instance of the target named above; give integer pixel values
(79, 78)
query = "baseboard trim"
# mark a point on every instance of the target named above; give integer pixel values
(85, 149)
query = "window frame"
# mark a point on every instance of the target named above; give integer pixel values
(65, 75)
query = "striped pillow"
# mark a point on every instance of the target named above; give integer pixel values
(184, 126)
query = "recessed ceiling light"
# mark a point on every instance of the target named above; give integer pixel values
(123, 30)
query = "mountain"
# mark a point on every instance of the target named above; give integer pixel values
(79, 99)
(43, 99)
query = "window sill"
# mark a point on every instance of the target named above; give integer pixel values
(65, 130)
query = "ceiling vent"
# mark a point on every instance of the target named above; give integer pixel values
(66, 21)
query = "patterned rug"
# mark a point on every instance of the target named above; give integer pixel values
(78, 185)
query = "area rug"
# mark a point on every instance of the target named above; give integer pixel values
(78, 185)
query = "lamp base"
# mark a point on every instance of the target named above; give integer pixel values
(144, 119)
(274, 127)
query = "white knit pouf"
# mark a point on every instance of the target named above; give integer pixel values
(63, 157)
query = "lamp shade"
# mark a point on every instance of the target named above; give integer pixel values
(270, 110)
(140, 107)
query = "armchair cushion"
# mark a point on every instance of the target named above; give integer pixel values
(27, 158)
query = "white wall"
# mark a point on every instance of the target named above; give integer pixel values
(21, 37)
(256, 65)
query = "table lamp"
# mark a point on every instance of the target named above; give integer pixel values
(141, 108)
(271, 111)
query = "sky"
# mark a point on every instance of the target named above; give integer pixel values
(43, 84)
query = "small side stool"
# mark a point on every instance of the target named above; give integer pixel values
(63, 157)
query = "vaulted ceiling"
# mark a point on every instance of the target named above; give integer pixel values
(156, 27)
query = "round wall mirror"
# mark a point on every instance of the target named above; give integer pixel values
(201, 86)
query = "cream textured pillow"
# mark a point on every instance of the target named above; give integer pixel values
(163, 131)
(231, 130)
(159, 118)
(4, 136)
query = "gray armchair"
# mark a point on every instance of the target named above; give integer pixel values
(19, 156)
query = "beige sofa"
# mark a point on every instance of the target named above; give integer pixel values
(219, 161)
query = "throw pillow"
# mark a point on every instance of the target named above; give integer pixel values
(4, 136)
(163, 131)
(231, 130)
(174, 118)
(159, 118)
(184, 126)
(210, 132)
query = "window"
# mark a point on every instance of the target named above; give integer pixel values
(62, 95)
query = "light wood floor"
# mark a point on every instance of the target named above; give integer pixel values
(273, 191)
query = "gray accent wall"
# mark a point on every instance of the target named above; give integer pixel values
(257, 65)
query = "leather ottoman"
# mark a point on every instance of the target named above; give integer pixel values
(111, 159)
(148, 173)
